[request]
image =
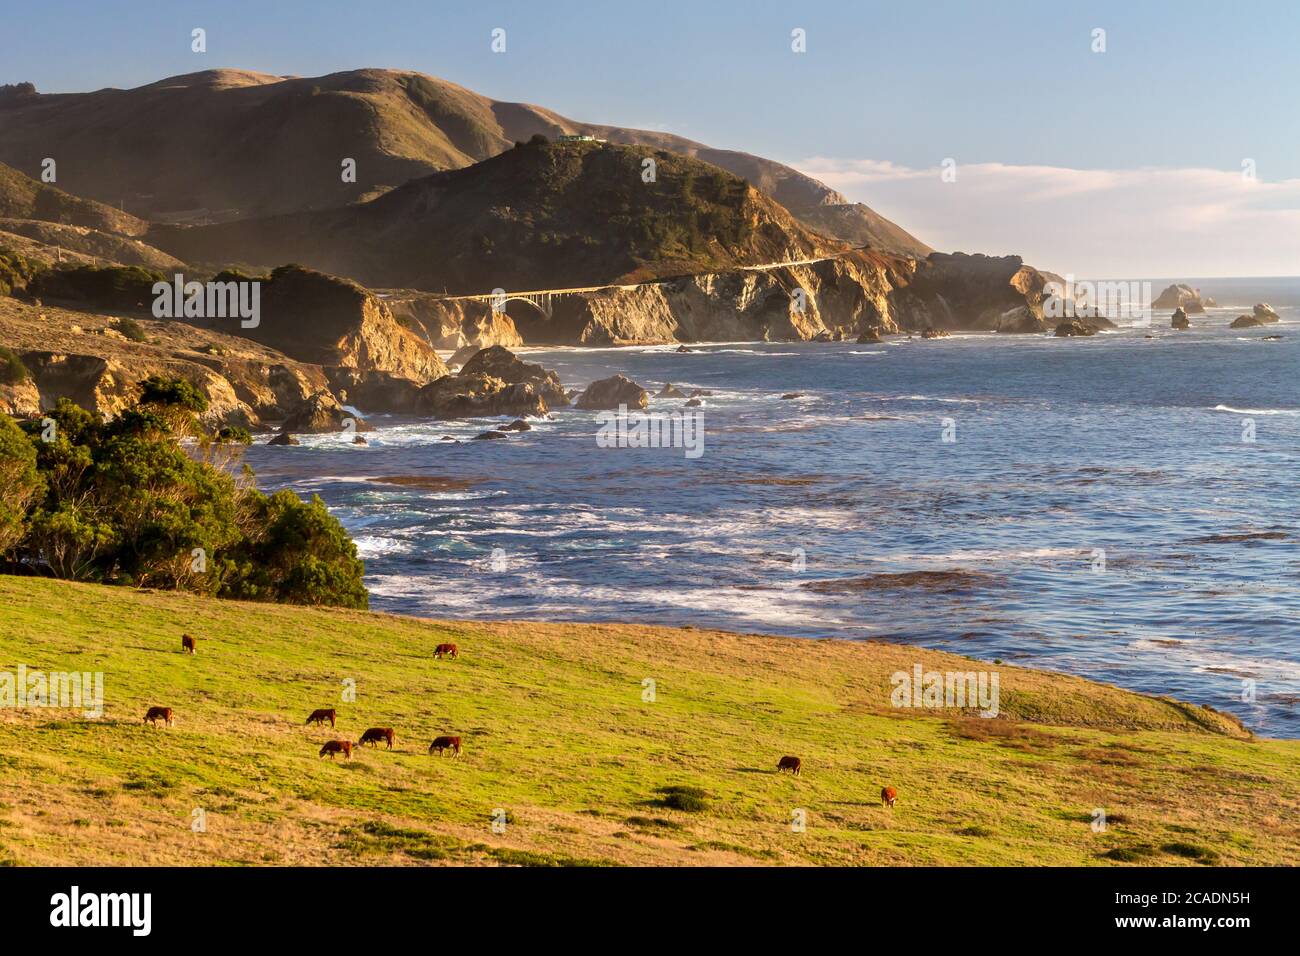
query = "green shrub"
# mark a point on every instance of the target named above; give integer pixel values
(20, 483)
(688, 799)
(122, 502)
(15, 272)
(12, 369)
(132, 330)
(1192, 852)
(295, 552)
(233, 435)
(1129, 854)
(124, 288)
(157, 390)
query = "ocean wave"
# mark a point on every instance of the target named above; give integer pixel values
(1256, 411)
(1208, 660)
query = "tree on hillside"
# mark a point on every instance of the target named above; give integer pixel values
(20, 482)
(122, 502)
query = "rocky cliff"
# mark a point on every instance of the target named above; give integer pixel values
(323, 320)
(838, 297)
(85, 357)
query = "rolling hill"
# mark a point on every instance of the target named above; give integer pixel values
(224, 144)
(538, 216)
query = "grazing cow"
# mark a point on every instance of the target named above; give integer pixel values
(887, 796)
(449, 649)
(793, 764)
(333, 747)
(376, 734)
(187, 644)
(446, 743)
(156, 714)
(322, 715)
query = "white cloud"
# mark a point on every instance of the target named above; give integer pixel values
(1147, 222)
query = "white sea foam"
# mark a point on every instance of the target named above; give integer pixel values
(1206, 659)
(1256, 411)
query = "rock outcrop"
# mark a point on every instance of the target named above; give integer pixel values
(457, 324)
(1179, 320)
(379, 392)
(478, 396)
(501, 363)
(324, 320)
(1266, 312)
(1074, 327)
(1246, 322)
(20, 400)
(613, 392)
(319, 414)
(1182, 296)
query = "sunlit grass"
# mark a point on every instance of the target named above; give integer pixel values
(559, 739)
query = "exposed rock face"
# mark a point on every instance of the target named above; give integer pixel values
(670, 391)
(1250, 321)
(610, 393)
(1182, 296)
(501, 363)
(870, 336)
(1179, 320)
(1265, 311)
(380, 392)
(284, 438)
(79, 355)
(935, 334)
(1074, 327)
(324, 320)
(478, 396)
(460, 324)
(20, 401)
(847, 296)
(319, 414)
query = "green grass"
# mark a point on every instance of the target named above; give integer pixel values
(560, 745)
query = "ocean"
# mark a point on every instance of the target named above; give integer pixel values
(1121, 507)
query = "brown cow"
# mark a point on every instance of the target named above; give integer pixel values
(322, 715)
(156, 714)
(446, 743)
(187, 644)
(376, 734)
(793, 764)
(449, 649)
(887, 796)
(333, 747)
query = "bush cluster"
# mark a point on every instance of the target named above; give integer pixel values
(123, 502)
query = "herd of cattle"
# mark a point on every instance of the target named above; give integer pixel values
(440, 745)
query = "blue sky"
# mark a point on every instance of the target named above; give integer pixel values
(885, 92)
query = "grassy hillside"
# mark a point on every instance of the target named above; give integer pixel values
(22, 197)
(546, 216)
(259, 144)
(558, 737)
